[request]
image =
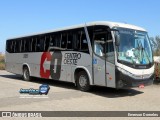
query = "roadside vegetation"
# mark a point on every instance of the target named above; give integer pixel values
(2, 63)
(155, 42)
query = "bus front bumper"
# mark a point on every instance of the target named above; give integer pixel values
(124, 81)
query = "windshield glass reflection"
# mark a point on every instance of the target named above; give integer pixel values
(134, 47)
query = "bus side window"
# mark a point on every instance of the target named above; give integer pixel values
(47, 41)
(64, 40)
(37, 45)
(20, 41)
(90, 33)
(110, 49)
(8, 46)
(33, 45)
(81, 41)
(30, 44)
(109, 43)
(17, 46)
(27, 45)
(70, 41)
(23, 45)
(58, 40)
(76, 42)
(14, 46)
(11, 47)
(52, 41)
(40, 44)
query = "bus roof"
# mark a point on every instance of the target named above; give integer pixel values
(110, 24)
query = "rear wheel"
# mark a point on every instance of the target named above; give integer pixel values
(83, 81)
(26, 74)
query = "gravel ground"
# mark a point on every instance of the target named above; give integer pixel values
(65, 97)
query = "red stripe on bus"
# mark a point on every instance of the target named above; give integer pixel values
(45, 73)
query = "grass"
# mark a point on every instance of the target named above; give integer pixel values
(2, 63)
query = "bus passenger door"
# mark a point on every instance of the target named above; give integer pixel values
(103, 59)
(98, 61)
(110, 63)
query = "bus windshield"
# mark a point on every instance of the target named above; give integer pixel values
(134, 47)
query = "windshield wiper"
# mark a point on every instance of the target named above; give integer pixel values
(143, 49)
(140, 47)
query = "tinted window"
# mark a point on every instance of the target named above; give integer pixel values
(46, 42)
(23, 43)
(70, 40)
(80, 39)
(83, 45)
(74, 39)
(33, 44)
(103, 43)
(9, 46)
(27, 45)
(64, 40)
(17, 46)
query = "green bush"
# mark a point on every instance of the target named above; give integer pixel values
(2, 64)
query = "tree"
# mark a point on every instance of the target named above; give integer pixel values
(155, 42)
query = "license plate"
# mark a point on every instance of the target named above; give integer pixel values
(141, 86)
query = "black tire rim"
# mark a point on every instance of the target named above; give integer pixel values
(83, 81)
(26, 74)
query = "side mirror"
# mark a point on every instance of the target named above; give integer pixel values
(117, 39)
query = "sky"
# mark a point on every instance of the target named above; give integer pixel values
(22, 17)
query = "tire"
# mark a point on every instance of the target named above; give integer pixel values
(26, 74)
(82, 81)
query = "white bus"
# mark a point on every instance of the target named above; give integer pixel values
(99, 53)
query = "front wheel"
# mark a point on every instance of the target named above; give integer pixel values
(83, 81)
(26, 74)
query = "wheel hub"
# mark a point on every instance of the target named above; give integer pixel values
(82, 81)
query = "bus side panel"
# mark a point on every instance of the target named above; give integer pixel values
(14, 62)
(64, 63)
(40, 62)
(84, 62)
(110, 75)
(34, 60)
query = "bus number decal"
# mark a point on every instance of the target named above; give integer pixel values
(46, 56)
